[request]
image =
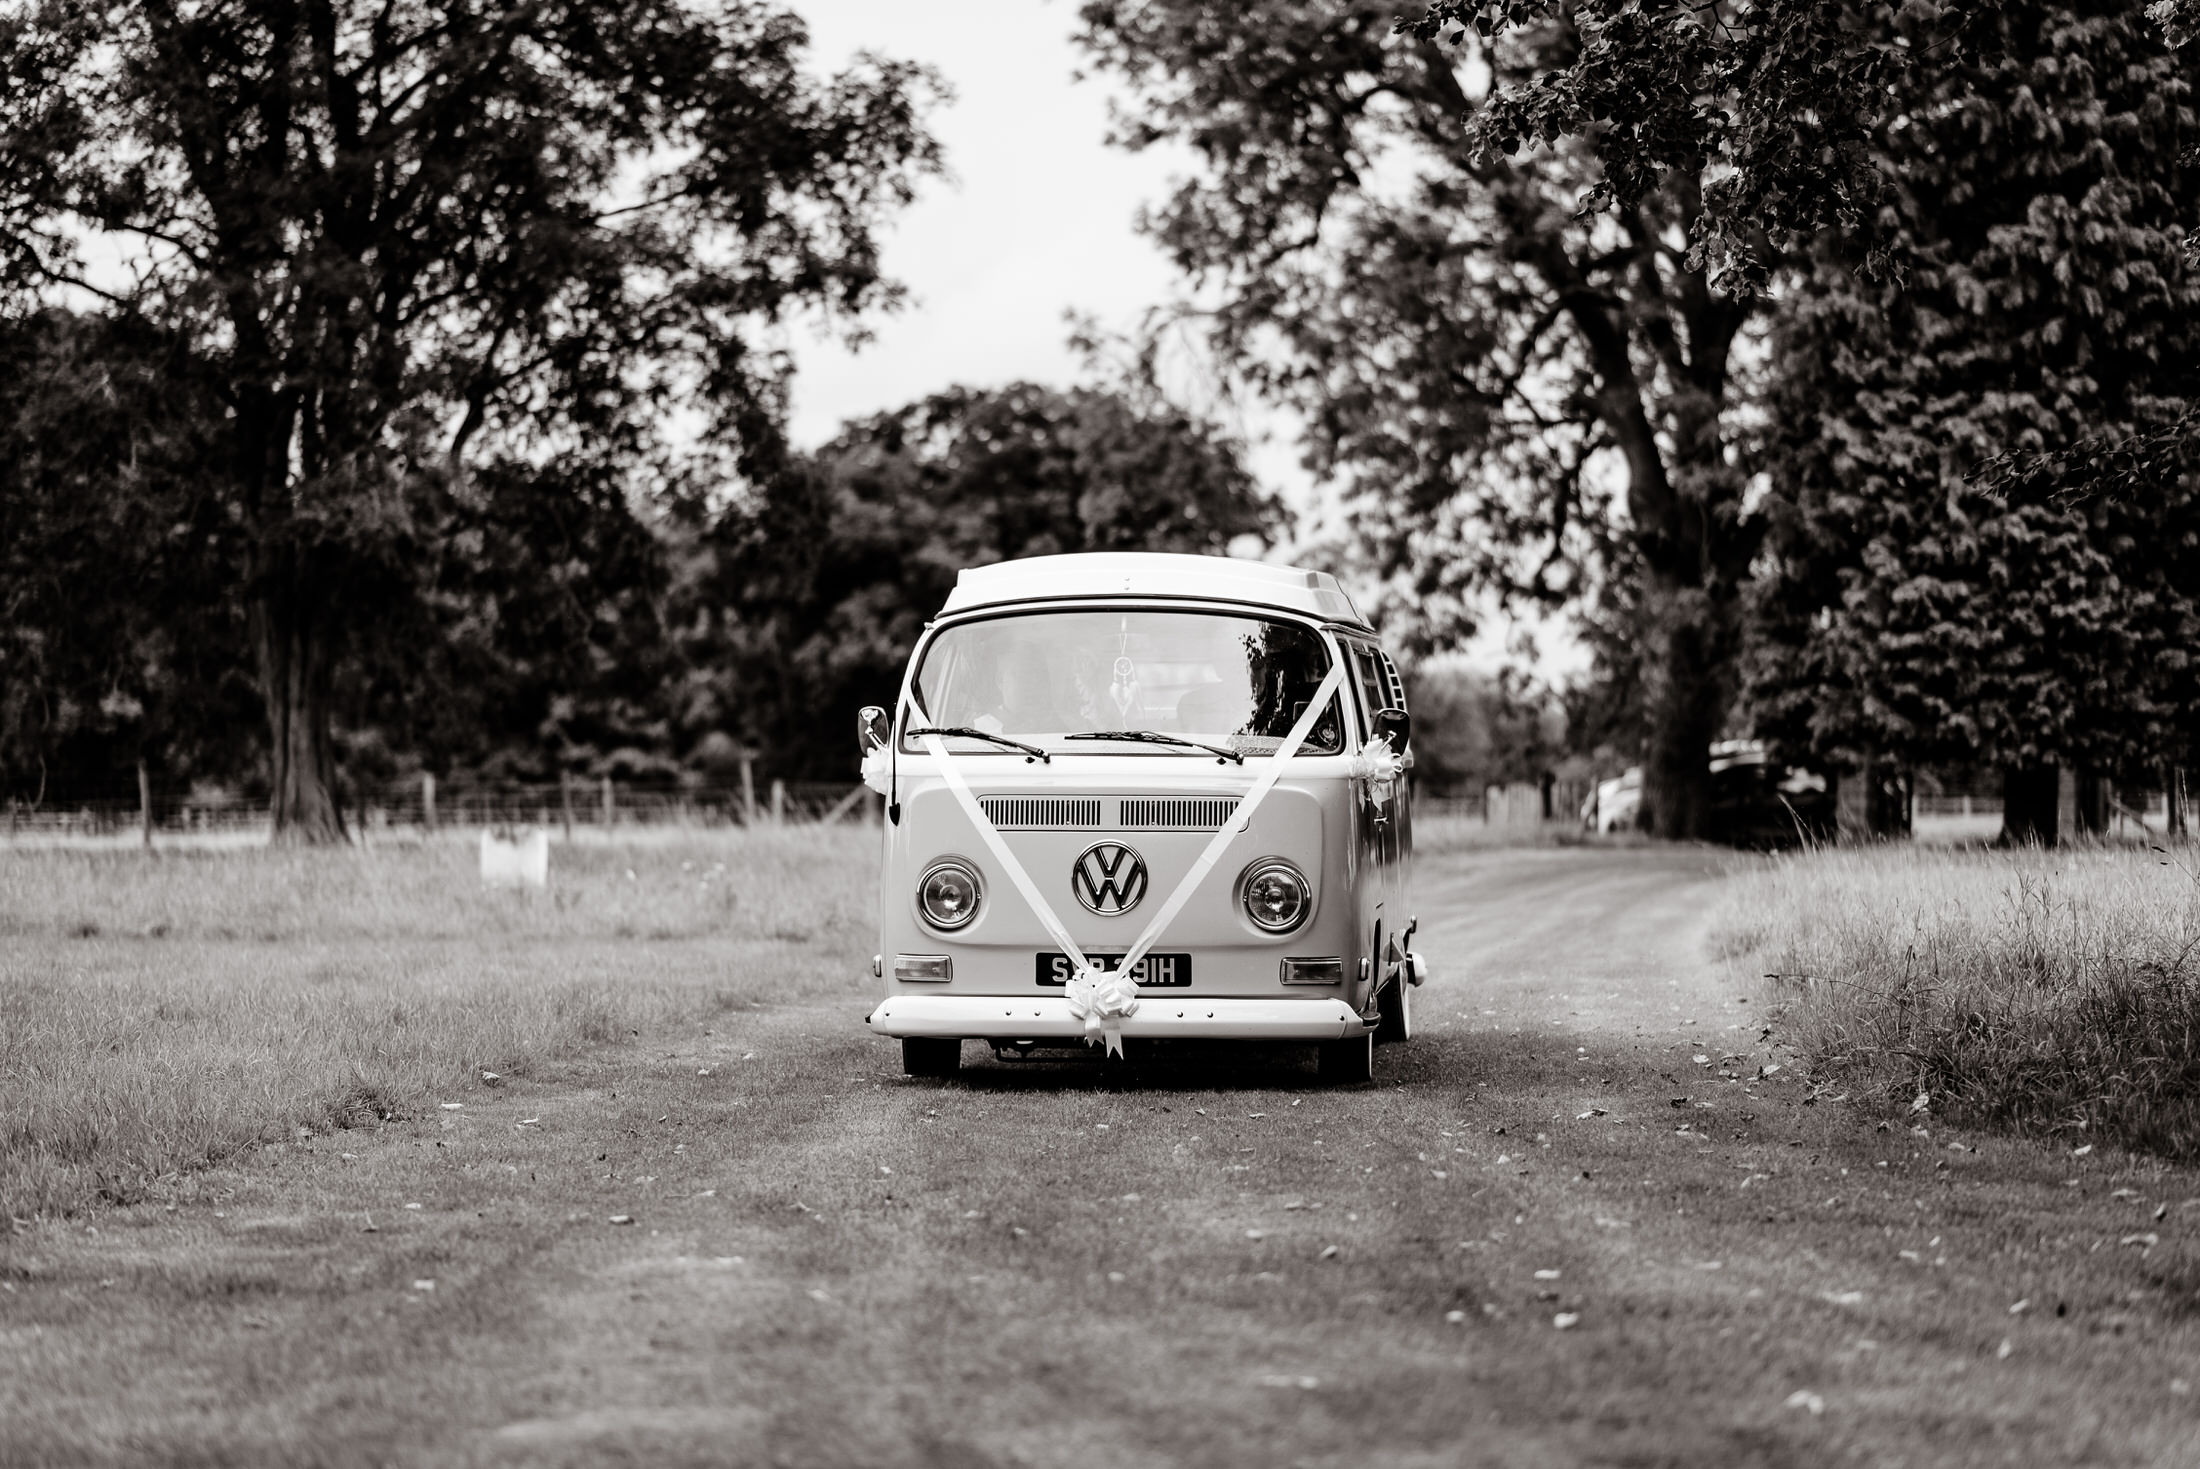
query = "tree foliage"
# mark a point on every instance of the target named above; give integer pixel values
(400, 240)
(801, 607)
(1985, 484)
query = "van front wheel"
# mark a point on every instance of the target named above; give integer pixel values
(1346, 1061)
(1395, 1007)
(927, 1056)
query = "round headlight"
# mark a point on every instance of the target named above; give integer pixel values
(949, 893)
(1276, 895)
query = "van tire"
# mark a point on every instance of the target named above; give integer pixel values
(927, 1056)
(1348, 1061)
(1395, 1007)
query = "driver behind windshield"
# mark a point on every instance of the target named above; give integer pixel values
(1026, 700)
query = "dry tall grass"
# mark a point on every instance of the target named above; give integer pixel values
(159, 1012)
(2034, 990)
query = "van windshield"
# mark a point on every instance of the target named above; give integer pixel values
(1228, 680)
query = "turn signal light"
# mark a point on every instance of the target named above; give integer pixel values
(1313, 971)
(923, 968)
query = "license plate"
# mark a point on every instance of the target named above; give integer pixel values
(1155, 971)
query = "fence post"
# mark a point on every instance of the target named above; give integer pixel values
(748, 791)
(145, 802)
(610, 803)
(427, 800)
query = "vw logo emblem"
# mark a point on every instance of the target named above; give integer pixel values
(1109, 879)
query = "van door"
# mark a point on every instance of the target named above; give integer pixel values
(1380, 821)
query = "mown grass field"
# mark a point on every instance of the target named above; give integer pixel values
(161, 1011)
(1594, 1215)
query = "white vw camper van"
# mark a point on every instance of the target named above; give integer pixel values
(1144, 797)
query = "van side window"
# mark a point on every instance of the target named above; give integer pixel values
(1397, 684)
(1374, 693)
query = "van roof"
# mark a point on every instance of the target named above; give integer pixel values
(1153, 574)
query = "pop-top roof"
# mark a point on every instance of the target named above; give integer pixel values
(1153, 574)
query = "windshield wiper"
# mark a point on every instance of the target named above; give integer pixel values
(1156, 737)
(965, 732)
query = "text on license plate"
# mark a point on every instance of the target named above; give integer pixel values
(1155, 971)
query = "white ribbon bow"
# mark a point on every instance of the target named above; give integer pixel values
(1104, 999)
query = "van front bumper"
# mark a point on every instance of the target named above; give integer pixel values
(1047, 1017)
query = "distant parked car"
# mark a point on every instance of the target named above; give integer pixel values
(1755, 802)
(1613, 804)
(1761, 804)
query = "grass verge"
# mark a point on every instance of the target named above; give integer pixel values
(158, 1013)
(2038, 991)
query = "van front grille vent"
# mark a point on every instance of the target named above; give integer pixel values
(1059, 813)
(1164, 813)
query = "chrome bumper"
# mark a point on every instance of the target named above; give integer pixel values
(1047, 1017)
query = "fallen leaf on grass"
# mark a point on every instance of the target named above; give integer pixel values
(1255, 1234)
(490, 1078)
(1455, 1316)
(1566, 1320)
(1809, 1401)
(1592, 1112)
(1546, 1275)
(621, 1219)
(2021, 1307)
(2001, 1353)
(1329, 1252)
(2080, 1152)
(527, 1122)
(1924, 1102)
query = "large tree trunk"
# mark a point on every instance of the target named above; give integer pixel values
(1684, 672)
(292, 647)
(2030, 805)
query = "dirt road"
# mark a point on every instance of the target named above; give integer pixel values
(1572, 1223)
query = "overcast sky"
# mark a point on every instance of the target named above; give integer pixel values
(1036, 219)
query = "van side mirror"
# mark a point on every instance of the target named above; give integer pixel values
(870, 728)
(1396, 726)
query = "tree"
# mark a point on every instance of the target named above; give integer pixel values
(801, 606)
(1526, 400)
(1983, 484)
(1781, 100)
(113, 634)
(401, 238)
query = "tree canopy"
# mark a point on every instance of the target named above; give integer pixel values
(1526, 400)
(1985, 529)
(399, 242)
(802, 607)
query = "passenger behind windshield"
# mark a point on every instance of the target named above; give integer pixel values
(1238, 681)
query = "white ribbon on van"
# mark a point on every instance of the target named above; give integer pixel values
(1104, 1000)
